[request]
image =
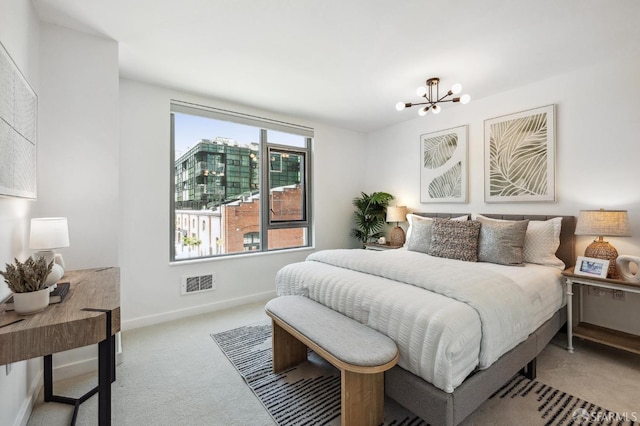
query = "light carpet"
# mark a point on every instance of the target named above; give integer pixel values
(309, 394)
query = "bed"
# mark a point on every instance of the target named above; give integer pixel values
(464, 325)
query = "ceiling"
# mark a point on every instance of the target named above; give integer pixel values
(347, 62)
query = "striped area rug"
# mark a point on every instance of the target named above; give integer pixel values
(309, 394)
(531, 399)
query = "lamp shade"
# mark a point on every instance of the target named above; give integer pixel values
(396, 213)
(611, 223)
(49, 233)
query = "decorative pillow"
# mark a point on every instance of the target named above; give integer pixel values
(455, 239)
(501, 241)
(413, 218)
(541, 242)
(420, 238)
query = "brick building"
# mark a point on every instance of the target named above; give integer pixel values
(234, 227)
(217, 199)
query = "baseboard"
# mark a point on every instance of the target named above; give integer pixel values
(27, 406)
(84, 366)
(196, 310)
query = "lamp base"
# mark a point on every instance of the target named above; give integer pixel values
(57, 271)
(603, 250)
(396, 236)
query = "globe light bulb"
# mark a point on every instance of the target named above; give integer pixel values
(456, 88)
(421, 91)
(423, 111)
(465, 99)
(400, 106)
(436, 109)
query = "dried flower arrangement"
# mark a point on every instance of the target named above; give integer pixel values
(28, 276)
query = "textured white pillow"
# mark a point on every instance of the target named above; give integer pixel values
(541, 242)
(412, 218)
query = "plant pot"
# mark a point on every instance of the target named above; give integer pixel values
(31, 302)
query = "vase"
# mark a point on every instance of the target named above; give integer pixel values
(31, 302)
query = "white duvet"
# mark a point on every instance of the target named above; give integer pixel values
(447, 316)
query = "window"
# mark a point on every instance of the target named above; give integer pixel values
(245, 179)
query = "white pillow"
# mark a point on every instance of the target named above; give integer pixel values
(540, 242)
(412, 218)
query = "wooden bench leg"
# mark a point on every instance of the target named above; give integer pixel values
(362, 399)
(287, 350)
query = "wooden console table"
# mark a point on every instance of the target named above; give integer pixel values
(89, 314)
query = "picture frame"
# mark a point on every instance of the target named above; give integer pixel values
(444, 166)
(591, 267)
(18, 131)
(519, 155)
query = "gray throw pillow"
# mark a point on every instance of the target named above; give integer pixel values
(420, 238)
(501, 241)
(455, 240)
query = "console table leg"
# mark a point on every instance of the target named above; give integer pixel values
(48, 378)
(105, 375)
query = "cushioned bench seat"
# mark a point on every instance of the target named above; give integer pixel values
(360, 353)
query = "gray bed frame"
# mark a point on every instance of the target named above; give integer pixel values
(437, 407)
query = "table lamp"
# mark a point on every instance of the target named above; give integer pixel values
(603, 223)
(47, 234)
(396, 214)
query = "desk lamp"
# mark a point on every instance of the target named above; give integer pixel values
(47, 234)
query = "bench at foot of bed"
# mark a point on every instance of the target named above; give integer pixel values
(360, 353)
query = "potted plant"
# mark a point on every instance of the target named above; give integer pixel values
(369, 215)
(27, 282)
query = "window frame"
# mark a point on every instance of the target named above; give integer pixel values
(305, 175)
(266, 223)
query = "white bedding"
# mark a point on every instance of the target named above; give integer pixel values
(448, 317)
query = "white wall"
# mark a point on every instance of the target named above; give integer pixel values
(78, 168)
(19, 35)
(597, 127)
(150, 286)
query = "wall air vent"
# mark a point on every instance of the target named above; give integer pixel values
(198, 283)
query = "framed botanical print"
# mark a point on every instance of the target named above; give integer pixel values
(444, 166)
(18, 131)
(519, 155)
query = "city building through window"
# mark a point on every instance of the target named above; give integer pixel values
(245, 179)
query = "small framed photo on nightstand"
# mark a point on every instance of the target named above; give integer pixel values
(591, 267)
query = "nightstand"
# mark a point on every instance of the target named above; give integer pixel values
(380, 247)
(595, 333)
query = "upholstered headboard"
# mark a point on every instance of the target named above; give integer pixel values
(566, 251)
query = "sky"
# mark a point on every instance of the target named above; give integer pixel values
(190, 129)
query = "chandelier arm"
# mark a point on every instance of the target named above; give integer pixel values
(449, 93)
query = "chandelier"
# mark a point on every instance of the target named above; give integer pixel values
(432, 95)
